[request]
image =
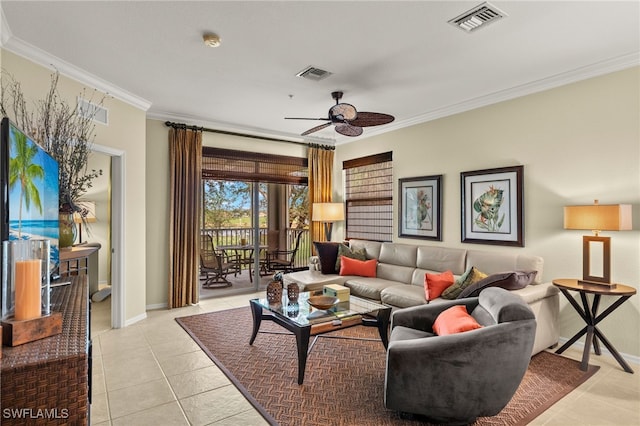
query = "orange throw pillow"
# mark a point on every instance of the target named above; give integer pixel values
(363, 268)
(435, 284)
(454, 320)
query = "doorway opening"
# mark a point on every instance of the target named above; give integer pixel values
(108, 308)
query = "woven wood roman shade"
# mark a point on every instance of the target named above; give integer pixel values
(227, 164)
(369, 197)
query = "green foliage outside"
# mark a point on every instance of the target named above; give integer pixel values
(227, 204)
(298, 206)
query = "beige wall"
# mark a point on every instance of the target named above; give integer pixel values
(125, 133)
(577, 143)
(157, 202)
(158, 196)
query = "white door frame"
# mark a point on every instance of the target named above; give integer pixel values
(117, 233)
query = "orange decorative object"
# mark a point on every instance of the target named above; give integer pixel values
(456, 319)
(362, 268)
(28, 303)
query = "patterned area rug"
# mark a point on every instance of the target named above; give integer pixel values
(344, 380)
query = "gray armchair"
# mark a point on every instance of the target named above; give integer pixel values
(459, 377)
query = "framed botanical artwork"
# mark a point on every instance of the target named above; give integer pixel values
(420, 208)
(492, 209)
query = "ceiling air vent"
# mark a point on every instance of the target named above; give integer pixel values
(93, 111)
(477, 17)
(313, 73)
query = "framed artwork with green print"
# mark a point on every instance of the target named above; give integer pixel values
(420, 208)
(492, 206)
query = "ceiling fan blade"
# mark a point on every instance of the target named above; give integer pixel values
(304, 118)
(366, 119)
(315, 129)
(348, 130)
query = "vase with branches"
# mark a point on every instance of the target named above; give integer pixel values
(66, 132)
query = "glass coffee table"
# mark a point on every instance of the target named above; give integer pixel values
(305, 321)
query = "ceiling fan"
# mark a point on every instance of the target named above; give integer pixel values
(347, 120)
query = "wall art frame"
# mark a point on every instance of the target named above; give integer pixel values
(492, 206)
(420, 207)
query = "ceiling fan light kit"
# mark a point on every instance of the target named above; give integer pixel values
(347, 120)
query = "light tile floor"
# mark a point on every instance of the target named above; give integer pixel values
(153, 373)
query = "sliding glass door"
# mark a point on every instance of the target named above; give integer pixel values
(243, 217)
(247, 196)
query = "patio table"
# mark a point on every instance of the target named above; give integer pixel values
(244, 252)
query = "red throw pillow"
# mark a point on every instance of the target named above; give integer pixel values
(435, 284)
(363, 268)
(454, 320)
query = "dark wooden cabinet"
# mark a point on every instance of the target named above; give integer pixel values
(47, 382)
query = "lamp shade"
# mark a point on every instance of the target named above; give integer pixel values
(598, 217)
(327, 212)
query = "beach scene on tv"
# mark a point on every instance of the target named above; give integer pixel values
(33, 192)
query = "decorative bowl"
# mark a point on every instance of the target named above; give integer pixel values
(322, 302)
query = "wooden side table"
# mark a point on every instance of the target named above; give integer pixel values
(590, 316)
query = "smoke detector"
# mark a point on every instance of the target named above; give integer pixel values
(477, 17)
(211, 39)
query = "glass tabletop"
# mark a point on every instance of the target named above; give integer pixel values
(303, 314)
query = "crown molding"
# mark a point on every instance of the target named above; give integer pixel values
(594, 70)
(5, 31)
(47, 60)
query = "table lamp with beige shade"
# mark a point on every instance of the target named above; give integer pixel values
(597, 217)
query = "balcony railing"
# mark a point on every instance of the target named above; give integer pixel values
(235, 236)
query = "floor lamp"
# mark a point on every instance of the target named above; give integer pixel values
(328, 213)
(597, 217)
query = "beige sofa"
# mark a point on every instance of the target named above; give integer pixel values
(399, 280)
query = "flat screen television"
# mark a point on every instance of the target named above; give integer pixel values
(29, 186)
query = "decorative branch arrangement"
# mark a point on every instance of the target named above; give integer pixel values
(64, 131)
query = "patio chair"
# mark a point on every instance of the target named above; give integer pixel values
(273, 242)
(284, 260)
(215, 265)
